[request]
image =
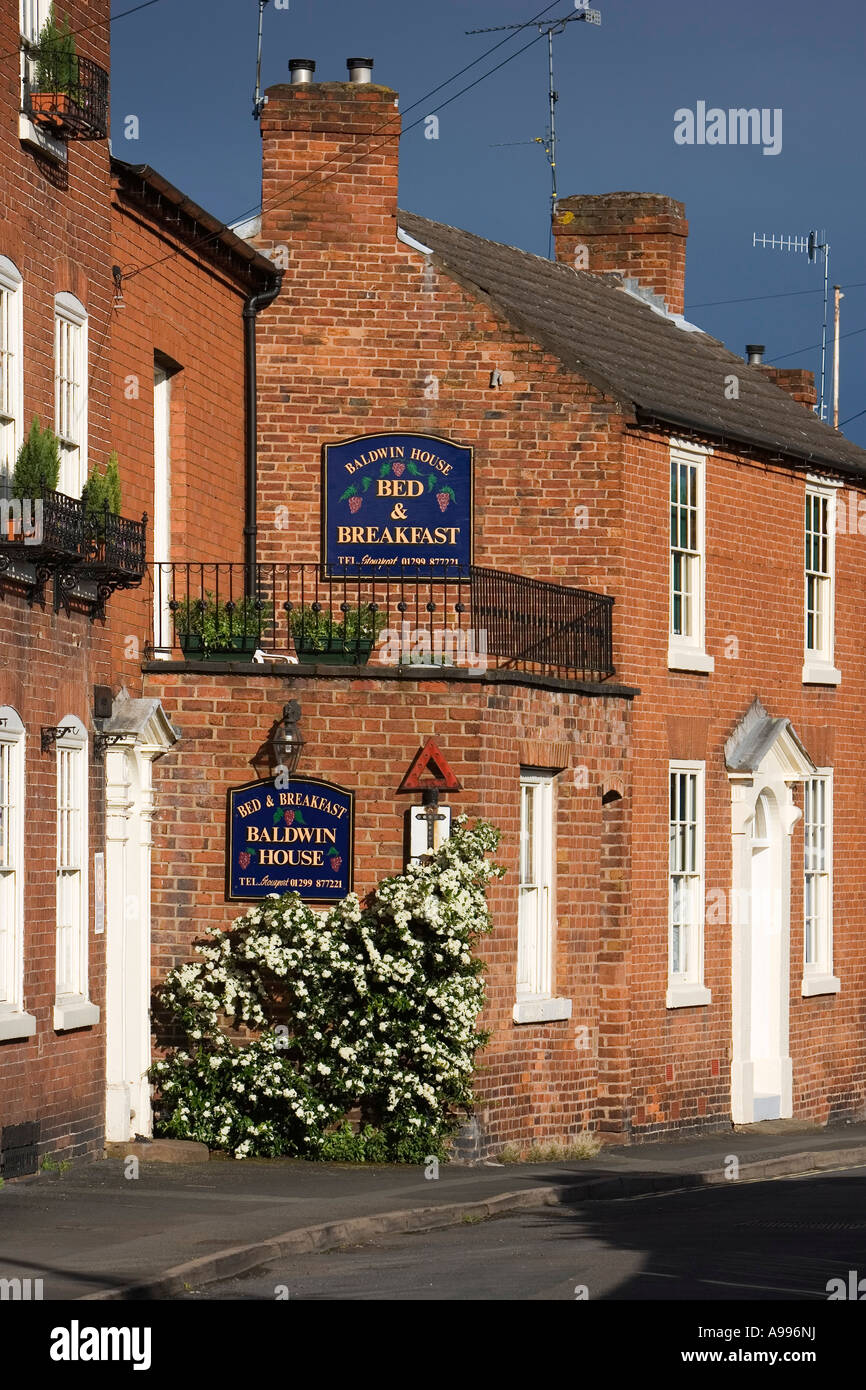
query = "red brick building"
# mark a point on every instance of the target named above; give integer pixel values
(57, 577)
(701, 959)
(628, 667)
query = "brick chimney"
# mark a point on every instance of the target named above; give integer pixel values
(349, 208)
(640, 235)
(798, 382)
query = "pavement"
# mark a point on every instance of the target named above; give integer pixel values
(98, 1231)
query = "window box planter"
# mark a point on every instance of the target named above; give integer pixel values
(335, 652)
(214, 629)
(55, 110)
(195, 648)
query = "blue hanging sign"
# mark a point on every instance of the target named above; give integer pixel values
(294, 839)
(399, 506)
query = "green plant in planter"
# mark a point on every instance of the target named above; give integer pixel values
(56, 62)
(327, 637)
(37, 467)
(211, 628)
(101, 491)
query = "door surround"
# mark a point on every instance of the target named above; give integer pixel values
(765, 760)
(143, 733)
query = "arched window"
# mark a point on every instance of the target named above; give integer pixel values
(70, 391)
(14, 1022)
(11, 375)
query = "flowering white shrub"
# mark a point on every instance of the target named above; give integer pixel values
(370, 1005)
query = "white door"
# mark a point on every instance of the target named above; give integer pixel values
(162, 587)
(767, 987)
(536, 881)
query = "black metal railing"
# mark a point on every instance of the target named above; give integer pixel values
(67, 94)
(116, 546)
(477, 619)
(57, 534)
(50, 527)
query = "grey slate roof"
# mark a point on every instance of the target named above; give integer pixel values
(668, 374)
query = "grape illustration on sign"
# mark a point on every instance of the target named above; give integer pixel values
(295, 839)
(397, 505)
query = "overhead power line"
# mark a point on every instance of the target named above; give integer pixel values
(754, 298)
(303, 185)
(812, 347)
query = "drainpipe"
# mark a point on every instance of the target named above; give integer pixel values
(252, 307)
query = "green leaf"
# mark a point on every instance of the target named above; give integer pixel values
(351, 491)
(431, 482)
(414, 470)
(366, 482)
(299, 818)
(278, 815)
(384, 470)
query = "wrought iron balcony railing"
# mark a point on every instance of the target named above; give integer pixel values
(115, 549)
(90, 554)
(67, 95)
(479, 619)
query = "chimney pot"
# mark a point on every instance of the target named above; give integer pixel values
(755, 354)
(302, 70)
(360, 69)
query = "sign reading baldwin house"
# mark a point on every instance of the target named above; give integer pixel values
(397, 505)
(295, 839)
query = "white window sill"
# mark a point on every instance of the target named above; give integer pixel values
(74, 1012)
(541, 1010)
(820, 673)
(687, 996)
(820, 984)
(16, 1025)
(30, 134)
(682, 658)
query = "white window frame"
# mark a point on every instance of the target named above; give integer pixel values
(818, 667)
(535, 915)
(11, 368)
(70, 327)
(161, 527)
(686, 986)
(32, 14)
(687, 650)
(14, 1021)
(818, 977)
(72, 1006)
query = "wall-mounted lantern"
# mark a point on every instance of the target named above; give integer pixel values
(287, 741)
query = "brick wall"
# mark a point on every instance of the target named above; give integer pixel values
(54, 227)
(541, 1082)
(184, 308)
(680, 1058)
(369, 335)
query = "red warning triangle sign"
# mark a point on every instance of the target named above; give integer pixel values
(430, 764)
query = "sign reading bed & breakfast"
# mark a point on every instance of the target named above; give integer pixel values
(397, 506)
(290, 839)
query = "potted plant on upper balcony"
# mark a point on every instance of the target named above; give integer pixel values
(100, 497)
(37, 466)
(348, 641)
(209, 629)
(55, 80)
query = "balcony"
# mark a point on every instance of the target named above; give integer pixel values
(478, 620)
(66, 95)
(88, 556)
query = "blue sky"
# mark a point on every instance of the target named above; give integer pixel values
(186, 69)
